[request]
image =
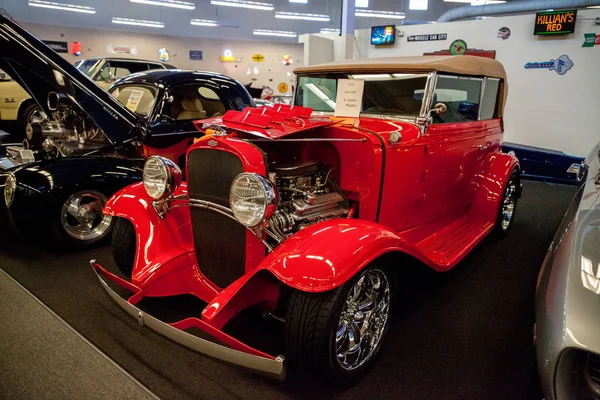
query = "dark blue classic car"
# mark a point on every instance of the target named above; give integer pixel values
(544, 164)
(92, 143)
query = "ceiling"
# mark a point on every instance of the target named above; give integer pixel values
(242, 21)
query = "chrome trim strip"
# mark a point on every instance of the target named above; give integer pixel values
(207, 205)
(272, 368)
(309, 140)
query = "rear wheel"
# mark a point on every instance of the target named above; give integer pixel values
(341, 331)
(124, 245)
(81, 222)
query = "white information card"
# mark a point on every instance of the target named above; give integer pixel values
(349, 97)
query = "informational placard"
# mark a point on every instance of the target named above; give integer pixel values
(555, 22)
(349, 97)
(134, 100)
(427, 37)
(59, 47)
(196, 55)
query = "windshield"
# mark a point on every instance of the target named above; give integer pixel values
(389, 94)
(86, 66)
(139, 99)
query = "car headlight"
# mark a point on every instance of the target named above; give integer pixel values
(161, 177)
(10, 188)
(252, 198)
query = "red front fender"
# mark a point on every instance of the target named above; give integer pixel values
(326, 255)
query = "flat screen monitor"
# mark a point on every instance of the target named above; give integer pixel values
(385, 34)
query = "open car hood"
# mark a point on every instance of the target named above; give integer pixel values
(40, 70)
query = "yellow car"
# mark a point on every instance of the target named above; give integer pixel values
(17, 108)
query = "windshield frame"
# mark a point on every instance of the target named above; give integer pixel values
(430, 84)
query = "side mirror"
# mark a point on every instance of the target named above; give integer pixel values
(439, 109)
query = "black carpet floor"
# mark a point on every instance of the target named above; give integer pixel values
(465, 334)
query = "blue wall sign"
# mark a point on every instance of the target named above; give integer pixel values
(195, 54)
(561, 65)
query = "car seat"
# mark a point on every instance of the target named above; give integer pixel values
(192, 109)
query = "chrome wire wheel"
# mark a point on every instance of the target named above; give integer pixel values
(81, 216)
(509, 203)
(364, 319)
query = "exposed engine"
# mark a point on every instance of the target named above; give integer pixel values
(66, 132)
(307, 195)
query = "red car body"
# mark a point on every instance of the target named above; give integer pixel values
(433, 195)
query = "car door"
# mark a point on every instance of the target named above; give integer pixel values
(454, 145)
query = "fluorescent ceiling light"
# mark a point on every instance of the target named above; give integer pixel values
(306, 17)
(168, 3)
(593, 7)
(329, 30)
(380, 14)
(299, 1)
(62, 6)
(204, 22)
(265, 32)
(417, 5)
(137, 22)
(362, 3)
(244, 4)
(484, 2)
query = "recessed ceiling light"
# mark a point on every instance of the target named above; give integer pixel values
(204, 22)
(137, 22)
(265, 32)
(329, 30)
(62, 6)
(244, 4)
(379, 14)
(306, 17)
(168, 3)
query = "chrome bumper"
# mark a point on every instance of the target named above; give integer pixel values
(272, 367)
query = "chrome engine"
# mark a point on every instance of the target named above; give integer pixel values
(66, 133)
(307, 195)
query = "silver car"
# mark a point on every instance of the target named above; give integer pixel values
(567, 330)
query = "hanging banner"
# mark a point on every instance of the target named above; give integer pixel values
(121, 49)
(427, 37)
(59, 47)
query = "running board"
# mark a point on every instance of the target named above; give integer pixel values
(449, 245)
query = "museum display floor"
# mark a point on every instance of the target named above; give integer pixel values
(465, 334)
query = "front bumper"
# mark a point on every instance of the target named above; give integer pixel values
(237, 353)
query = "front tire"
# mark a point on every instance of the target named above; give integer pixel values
(80, 222)
(341, 331)
(124, 245)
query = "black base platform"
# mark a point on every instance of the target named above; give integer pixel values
(465, 335)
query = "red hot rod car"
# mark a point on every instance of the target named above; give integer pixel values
(307, 215)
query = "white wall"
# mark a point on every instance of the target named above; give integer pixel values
(543, 108)
(94, 44)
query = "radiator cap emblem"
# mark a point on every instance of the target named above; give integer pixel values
(212, 143)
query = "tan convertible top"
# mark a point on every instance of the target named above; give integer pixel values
(463, 65)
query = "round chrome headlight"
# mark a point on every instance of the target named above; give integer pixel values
(161, 177)
(10, 188)
(252, 198)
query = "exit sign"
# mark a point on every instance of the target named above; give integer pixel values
(555, 22)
